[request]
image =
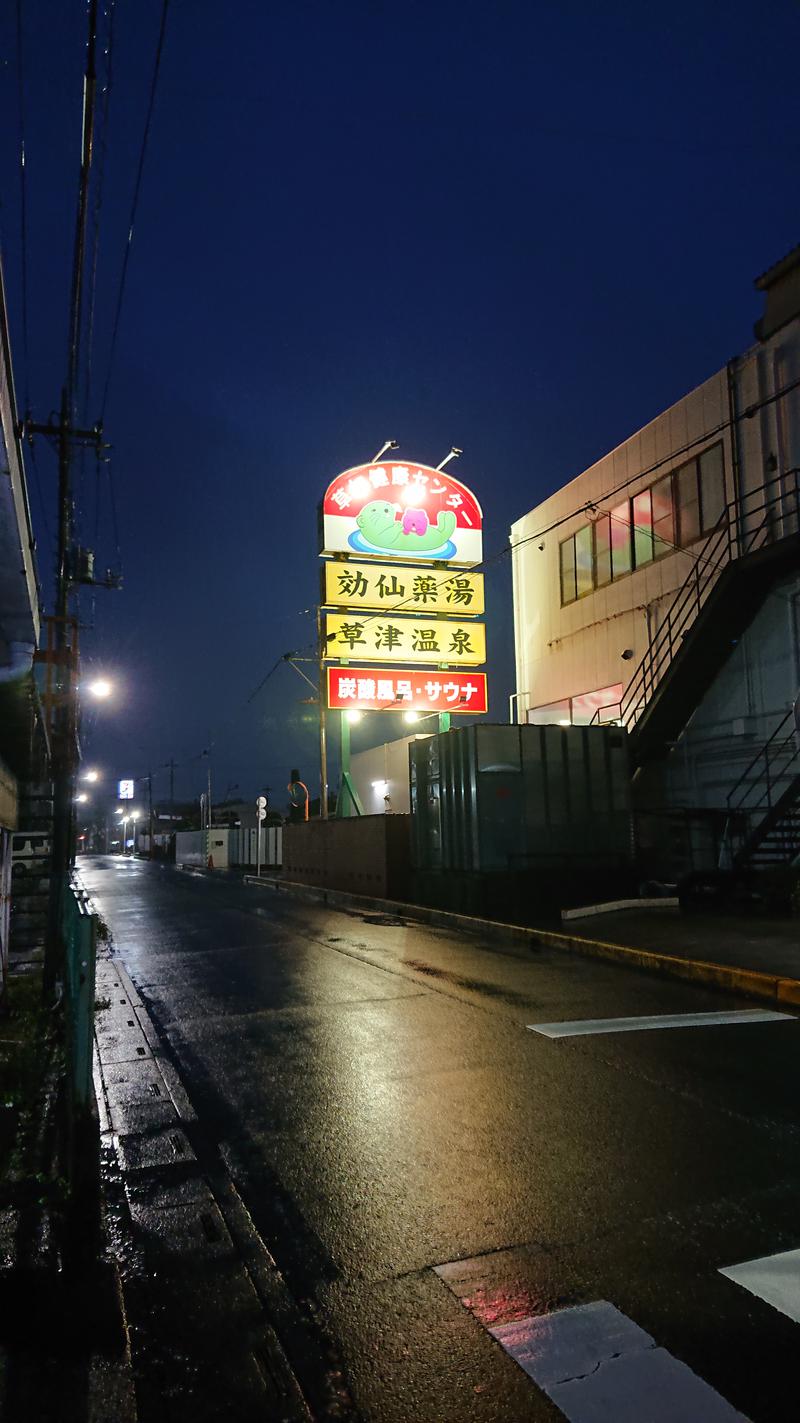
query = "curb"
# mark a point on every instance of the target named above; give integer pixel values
(737, 980)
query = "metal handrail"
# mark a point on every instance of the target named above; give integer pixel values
(725, 543)
(770, 777)
(763, 751)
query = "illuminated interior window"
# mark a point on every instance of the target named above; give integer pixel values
(620, 540)
(642, 506)
(672, 513)
(602, 550)
(599, 707)
(663, 517)
(554, 714)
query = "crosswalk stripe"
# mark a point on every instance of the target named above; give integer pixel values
(598, 1366)
(582, 1027)
(774, 1278)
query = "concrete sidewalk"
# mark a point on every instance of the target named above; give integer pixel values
(769, 946)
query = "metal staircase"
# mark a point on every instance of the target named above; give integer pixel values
(764, 805)
(678, 666)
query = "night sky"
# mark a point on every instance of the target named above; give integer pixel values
(520, 228)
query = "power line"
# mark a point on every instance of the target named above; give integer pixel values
(23, 204)
(96, 210)
(276, 664)
(40, 491)
(135, 204)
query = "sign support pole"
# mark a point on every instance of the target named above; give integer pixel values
(323, 724)
(349, 801)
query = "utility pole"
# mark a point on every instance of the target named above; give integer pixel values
(65, 719)
(171, 766)
(150, 809)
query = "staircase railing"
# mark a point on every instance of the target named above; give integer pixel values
(755, 521)
(766, 776)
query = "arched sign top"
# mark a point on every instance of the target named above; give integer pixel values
(401, 512)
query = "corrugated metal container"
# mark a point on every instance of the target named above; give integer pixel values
(504, 798)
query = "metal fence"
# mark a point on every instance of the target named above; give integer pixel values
(80, 944)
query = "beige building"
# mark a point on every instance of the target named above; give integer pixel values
(659, 588)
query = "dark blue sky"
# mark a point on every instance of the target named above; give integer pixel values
(519, 228)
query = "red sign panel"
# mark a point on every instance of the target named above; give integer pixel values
(377, 689)
(402, 512)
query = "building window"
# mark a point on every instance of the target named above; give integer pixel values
(567, 556)
(577, 565)
(642, 505)
(584, 579)
(600, 707)
(554, 714)
(663, 517)
(621, 540)
(673, 513)
(602, 550)
(687, 498)
(712, 487)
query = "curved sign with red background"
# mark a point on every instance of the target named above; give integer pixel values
(400, 513)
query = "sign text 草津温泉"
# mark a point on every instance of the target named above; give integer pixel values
(351, 638)
(379, 689)
(403, 590)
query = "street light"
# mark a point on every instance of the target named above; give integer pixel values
(90, 776)
(82, 798)
(100, 688)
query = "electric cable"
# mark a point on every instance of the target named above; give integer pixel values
(23, 203)
(96, 211)
(134, 206)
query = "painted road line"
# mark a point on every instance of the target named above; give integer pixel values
(597, 1366)
(774, 1278)
(583, 1027)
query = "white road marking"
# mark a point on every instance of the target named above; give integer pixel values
(774, 1278)
(597, 1366)
(581, 1027)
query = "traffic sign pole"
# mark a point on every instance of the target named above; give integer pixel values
(261, 810)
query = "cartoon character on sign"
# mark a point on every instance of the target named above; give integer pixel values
(409, 531)
(402, 511)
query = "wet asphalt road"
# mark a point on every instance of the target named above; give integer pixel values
(422, 1167)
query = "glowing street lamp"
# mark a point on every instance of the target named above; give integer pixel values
(82, 798)
(100, 688)
(90, 776)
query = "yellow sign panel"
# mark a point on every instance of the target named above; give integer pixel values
(403, 590)
(390, 639)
